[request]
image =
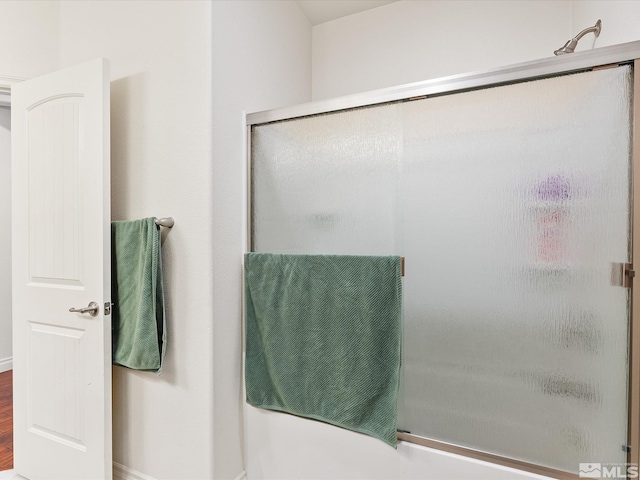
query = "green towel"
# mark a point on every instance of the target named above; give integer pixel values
(323, 338)
(139, 330)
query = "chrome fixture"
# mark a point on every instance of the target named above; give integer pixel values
(92, 309)
(571, 45)
(165, 222)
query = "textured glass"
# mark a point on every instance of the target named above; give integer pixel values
(509, 204)
(328, 184)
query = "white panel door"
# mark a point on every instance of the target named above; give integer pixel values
(61, 259)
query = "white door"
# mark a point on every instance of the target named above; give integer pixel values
(61, 259)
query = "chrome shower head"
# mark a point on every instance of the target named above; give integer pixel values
(568, 47)
(571, 45)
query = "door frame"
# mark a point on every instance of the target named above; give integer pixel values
(627, 53)
(5, 91)
(6, 81)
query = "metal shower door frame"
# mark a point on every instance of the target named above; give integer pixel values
(626, 53)
(634, 327)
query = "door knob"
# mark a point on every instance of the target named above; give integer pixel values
(92, 309)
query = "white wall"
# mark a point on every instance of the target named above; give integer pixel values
(620, 22)
(29, 37)
(176, 150)
(160, 54)
(186, 423)
(399, 43)
(5, 240)
(261, 60)
(410, 41)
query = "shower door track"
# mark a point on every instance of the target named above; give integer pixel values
(626, 53)
(548, 67)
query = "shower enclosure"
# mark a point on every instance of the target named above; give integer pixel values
(510, 194)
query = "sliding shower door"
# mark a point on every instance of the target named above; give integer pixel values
(511, 206)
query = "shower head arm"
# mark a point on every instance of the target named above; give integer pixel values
(595, 29)
(571, 45)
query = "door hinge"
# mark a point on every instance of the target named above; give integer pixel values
(626, 448)
(622, 274)
(107, 308)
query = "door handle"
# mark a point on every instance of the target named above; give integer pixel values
(92, 309)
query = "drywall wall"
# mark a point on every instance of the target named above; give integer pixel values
(619, 22)
(187, 423)
(410, 41)
(415, 40)
(5, 240)
(261, 60)
(160, 55)
(29, 37)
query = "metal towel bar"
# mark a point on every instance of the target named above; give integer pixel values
(165, 222)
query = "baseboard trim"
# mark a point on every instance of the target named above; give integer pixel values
(121, 472)
(6, 364)
(242, 476)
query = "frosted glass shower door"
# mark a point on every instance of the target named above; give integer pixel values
(510, 205)
(515, 204)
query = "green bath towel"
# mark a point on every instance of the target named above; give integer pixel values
(323, 338)
(139, 330)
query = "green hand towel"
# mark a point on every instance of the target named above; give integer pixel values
(323, 338)
(139, 330)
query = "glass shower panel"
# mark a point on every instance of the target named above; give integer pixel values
(328, 183)
(515, 202)
(510, 204)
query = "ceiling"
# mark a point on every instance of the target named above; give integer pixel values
(320, 11)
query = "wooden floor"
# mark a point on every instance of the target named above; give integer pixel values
(6, 421)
